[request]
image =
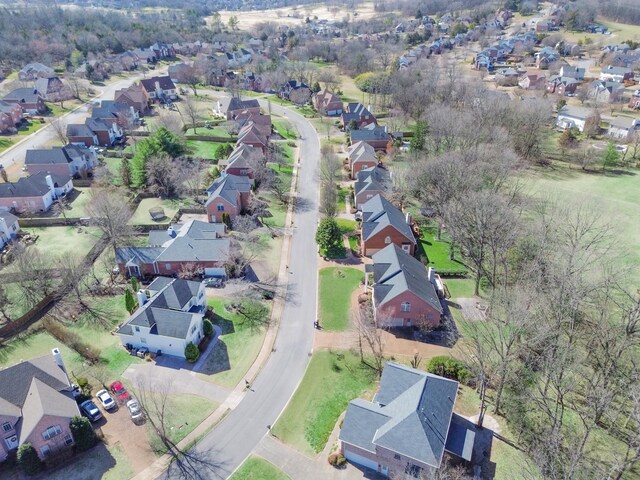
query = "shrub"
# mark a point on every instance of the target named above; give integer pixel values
(337, 459)
(207, 327)
(84, 385)
(449, 367)
(191, 353)
(72, 340)
(83, 433)
(28, 459)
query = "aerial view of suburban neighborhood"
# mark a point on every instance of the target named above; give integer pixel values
(305, 240)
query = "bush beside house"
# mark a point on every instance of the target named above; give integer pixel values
(28, 459)
(83, 433)
(449, 367)
(191, 352)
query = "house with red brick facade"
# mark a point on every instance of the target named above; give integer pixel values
(384, 224)
(369, 183)
(35, 193)
(327, 103)
(242, 161)
(77, 161)
(228, 194)
(10, 116)
(160, 88)
(135, 96)
(357, 113)
(296, 92)
(29, 100)
(408, 427)
(230, 107)
(374, 135)
(251, 134)
(261, 122)
(36, 406)
(361, 155)
(193, 245)
(404, 295)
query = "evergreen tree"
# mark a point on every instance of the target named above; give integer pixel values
(129, 301)
(328, 235)
(125, 172)
(610, 156)
(135, 285)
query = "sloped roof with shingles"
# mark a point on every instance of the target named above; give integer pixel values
(378, 213)
(23, 95)
(228, 186)
(372, 179)
(371, 132)
(165, 83)
(362, 152)
(32, 186)
(56, 155)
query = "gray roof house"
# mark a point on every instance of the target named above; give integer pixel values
(382, 224)
(34, 193)
(68, 160)
(9, 227)
(375, 135)
(408, 426)
(37, 405)
(169, 317)
(576, 117)
(370, 182)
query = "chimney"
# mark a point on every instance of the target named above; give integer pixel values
(431, 273)
(3, 226)
(142, 297)
(52, 188)
(408, 218)
(57, 357)
(171, 232)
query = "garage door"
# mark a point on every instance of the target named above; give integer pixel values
(215, 272)
(360, 460)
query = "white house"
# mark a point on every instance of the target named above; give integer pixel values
(610, 73)
(169, 316)
(575, 117)
(34, 193)
(621, 128)
(160, 88)
(9, 227)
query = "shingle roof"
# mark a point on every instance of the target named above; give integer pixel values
(79, 130)
(32, 186)
(228, 186)
(369, 133)
(374, 179)
(378, 213)
(56, 155)
(237, 104)
(23, 95)
(362, 152)
(165, 83)
(8, 217)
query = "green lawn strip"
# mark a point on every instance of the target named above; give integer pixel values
(104, 462)
(347, 226)
(214, 131)
(31, 127)
(171, 206)
(258, 468)
(331, 381)
(113, 167)
(284, 129)
(237, 348)
(54, 241)
(354, 243)
(459, 287)
(203, 149)
(342, 199)
(186, 412)
(5, 143)
(17, 306)
(78, 206)
(435, 253)
(336, 287)
(278, 212)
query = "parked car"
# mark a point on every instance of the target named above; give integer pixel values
(105, 399)
(119, 391)
(134, 410)
(215, 282)
(142, 352)
(91, 410)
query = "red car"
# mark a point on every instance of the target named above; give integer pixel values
(119, 391)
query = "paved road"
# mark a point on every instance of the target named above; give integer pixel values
(239, 433)
(13, 158)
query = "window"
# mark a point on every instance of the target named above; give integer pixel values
(137, 329)
(167, 266)
(51, 432)
(220, 207)
(387, 240)
(45, 450)
(193, 329)
(405, 307)
(68, 439)
(6, 426)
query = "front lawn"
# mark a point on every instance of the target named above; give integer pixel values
(347, 227)
(5, 143)
(331, 381)
(435, 253)
(284, 129)
(336, 288)
(29, 127)
(104, 462)
(342, 199)
(258, 468)
(277, 210)
(237, 347)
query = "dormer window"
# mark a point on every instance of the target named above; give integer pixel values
(6, 426)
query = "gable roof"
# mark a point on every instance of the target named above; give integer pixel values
(411, 415)
(369, 133)
(236, 104)
(375, 179)
(8, 217)
(251, 133)
(378, 213)
(165, 83)
(32, 186)
(395, 272)
(79, 130)
(576, 112)
(362, 152)
(23, 95)
(228, 186)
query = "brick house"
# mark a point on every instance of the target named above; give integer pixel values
(52, 89)
(326, 103)
(260, 121)
(230, 107)
(383, 224)
(37, 406)
(194, 243)
(30, 100)
(634, 102)
(160, 88)
(408, 426)
(370, 182)
(604, 91)
(252, 135)
(357, 113)
(374, 135)
(135, 96)
(35, 193)
(242, 161)
(121, 113)
(81, 134)
(9, 227)
(360, 156)
(75, 160)
(228, 194)
(562, 85)
(95, 132)
(296, 92)
(33, 71)
(404, 292)
(10, 116)
(532, 81)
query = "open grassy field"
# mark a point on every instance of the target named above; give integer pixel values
(435, 253)
(331, 381)
(54, 241)
(256, 467)
(336, 288)
(202, 149)
(237, 348)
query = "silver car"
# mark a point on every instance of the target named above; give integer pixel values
(134, 410)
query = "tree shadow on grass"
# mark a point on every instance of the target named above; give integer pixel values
(217, 361)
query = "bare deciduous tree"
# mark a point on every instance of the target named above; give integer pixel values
(110, 212)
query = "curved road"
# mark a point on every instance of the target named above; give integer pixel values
(237, 435)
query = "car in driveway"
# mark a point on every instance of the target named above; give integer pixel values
(91, 410)
(135, 412)
(119, 391)
(106, 400)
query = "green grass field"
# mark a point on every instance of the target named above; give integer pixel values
(342, 199)
(435, 253)
(79, 203)
(236, 351)
(141, 215)
(347, 227)
(284, 129)
(255, 468)
(54, 241)
(331, 381)
(30, 127)
(336, 288)
(5, 143)
(202, 149)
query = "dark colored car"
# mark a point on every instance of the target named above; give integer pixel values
(91, 410)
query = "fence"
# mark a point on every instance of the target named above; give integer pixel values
(51, 222)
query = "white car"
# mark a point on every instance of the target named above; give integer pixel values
(106, 400)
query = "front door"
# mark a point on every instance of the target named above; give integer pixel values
(134, 271)
(11, 442)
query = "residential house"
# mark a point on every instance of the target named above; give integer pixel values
(565, 86)
(52, 89)
(181, 72)
(160, 88)
(239, 57)
(242, 161)
(296, 92)
(121, 113)
(10, 116)
(228, 194)
(634, 102)
(78, 161)
(37, 406)
(29, 100)
(622, 128)
(35, 193)
(572, 72)
(606, 92)
(383, 224)
(127, 60)
(507, 77)
(546, 57)
(360, 156)
(9, 227)
(576, 117)
(163, 50)
(370, 182)
(409, 425)
(135, 96)
(230, 107)
(532, 81)
(252, 135)
(404, 292)
(260, 121)
(33, 71)
(95, 132)
(193, 244)
(327, 103)
(145, 55)
(358, 114)
(81, 134)
(609, 73)
(372, 134)
(169, 316)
